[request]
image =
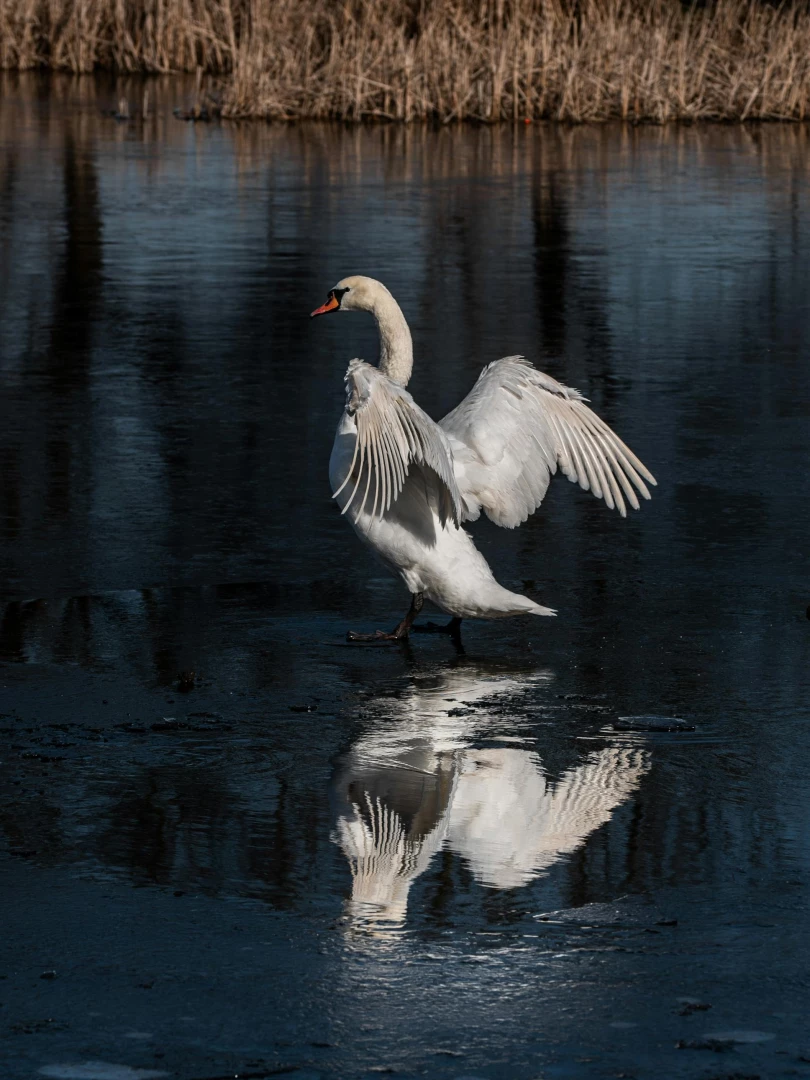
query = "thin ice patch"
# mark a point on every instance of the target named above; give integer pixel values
(99, 1070)
(740, 1036)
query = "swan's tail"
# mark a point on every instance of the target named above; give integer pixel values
(538, 609)
(503, 603)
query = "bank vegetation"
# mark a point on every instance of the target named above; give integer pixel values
(441, 60)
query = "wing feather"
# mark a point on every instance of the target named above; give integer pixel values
(568, 435)
(393, 434)
(389, 468)
(516, 427)
(374, 437)
(369, 471)
(628, 460)
(586, 457)
(616, 470)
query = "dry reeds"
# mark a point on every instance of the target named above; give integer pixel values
(443, 60)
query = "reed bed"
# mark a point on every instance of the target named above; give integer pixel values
(442, 60)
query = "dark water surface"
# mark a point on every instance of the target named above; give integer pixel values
(333, 861)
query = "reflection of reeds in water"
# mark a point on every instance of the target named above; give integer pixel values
(333, 154)
(444, 59)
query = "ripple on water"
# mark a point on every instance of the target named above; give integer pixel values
(651, 723)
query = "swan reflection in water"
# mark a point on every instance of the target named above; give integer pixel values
(416, 782)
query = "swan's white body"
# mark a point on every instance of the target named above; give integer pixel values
(406, 484)
(434, 558)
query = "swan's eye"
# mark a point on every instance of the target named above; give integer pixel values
(338, 294)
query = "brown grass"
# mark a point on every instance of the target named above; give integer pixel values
(443, 60)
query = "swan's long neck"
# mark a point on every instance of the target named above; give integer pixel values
(396, 347)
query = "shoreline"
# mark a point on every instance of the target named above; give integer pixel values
(121, 98)
(449, 61)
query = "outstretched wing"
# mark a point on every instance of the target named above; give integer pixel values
(392, 434)
(516, 427)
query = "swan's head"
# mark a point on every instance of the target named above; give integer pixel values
(356, 293)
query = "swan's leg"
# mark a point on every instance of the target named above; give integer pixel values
(400, 631)
(453, 628)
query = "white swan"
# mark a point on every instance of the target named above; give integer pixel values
(407, 483)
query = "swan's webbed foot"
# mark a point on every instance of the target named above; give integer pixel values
(400, 631)
(453, 628)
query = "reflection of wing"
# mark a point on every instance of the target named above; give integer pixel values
(384, 859)
(510, 823)
(515, 427)
(392, 434)
(395, 786)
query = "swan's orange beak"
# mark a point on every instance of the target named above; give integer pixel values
(332, 304)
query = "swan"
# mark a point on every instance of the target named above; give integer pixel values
(407, 484)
